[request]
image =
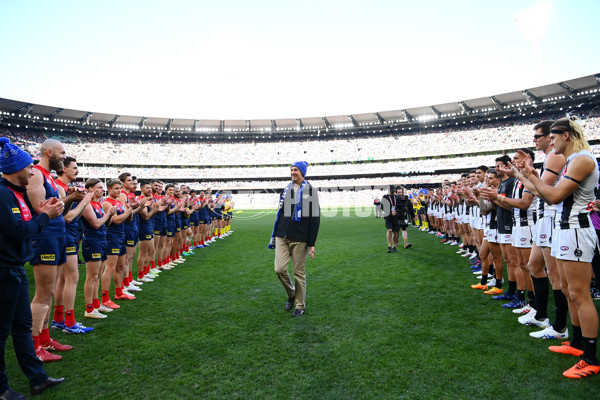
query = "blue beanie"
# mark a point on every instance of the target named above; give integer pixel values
(301, 165)
(12, 158)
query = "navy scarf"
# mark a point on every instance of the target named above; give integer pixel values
(297, 212)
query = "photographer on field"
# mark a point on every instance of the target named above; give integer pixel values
(396, 210)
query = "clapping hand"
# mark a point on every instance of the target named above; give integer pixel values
(521, 158)
(76, 193)
(489, 193)
(507, 169)
(87, 199)
(52, 207)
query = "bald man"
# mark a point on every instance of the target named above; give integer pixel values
(49, 246)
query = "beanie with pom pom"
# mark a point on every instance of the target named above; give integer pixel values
(12, 158)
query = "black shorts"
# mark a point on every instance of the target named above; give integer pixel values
(392, 223)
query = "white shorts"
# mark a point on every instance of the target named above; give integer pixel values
(477, 223)
(505, 238)
(574, 244)
(522, 237)
(466, 219)
(449, 217)
(491, 235)
(542, 233)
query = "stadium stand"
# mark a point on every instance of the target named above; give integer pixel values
(411, 147)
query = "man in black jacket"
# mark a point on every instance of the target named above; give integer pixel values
(17, 227)
(294, 235)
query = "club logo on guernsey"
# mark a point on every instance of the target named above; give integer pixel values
(48, 257)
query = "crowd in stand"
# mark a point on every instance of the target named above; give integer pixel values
(405, 145)
(438, 146)
(438, 141)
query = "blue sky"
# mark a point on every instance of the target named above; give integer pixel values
(283, 59)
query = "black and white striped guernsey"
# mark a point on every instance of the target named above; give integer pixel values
(574, 211)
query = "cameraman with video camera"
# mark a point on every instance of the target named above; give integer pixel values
(396, 208)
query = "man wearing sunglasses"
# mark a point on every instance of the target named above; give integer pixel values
(540, 254)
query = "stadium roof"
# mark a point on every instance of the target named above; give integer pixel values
(582, 87)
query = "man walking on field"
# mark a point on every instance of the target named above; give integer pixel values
(294, 235)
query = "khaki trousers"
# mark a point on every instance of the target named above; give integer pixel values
(297, 251)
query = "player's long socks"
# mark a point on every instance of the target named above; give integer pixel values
(561, 307)
(589, 350)
(59, 314)
(577, 339)
(70, 318)
(44, 336)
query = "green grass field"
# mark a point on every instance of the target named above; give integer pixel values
(377, 325)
